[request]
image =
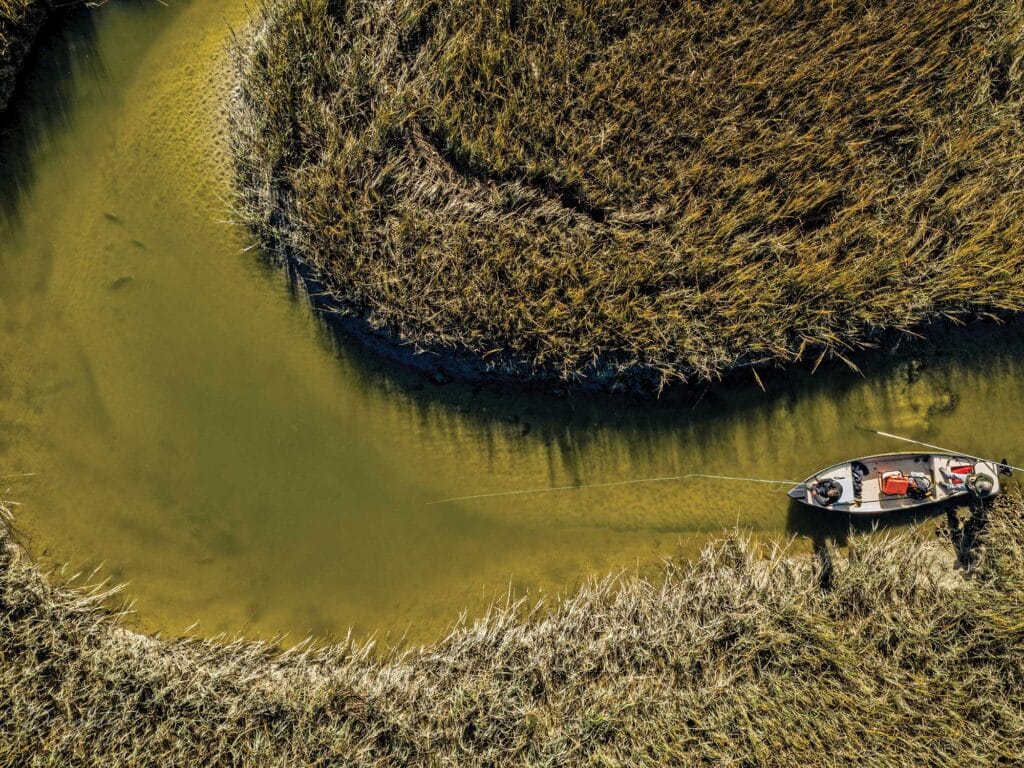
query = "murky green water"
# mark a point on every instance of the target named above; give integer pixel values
(197, 433)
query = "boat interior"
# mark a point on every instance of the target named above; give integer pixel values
(897, 481)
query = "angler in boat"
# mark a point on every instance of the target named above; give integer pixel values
(869, 486)
(900, 481)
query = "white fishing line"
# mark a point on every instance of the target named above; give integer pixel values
(608, 485)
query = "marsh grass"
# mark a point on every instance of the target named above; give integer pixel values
(615, 191)
(736, 659)
(20, 20)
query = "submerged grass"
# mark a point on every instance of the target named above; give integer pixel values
(639, 190)
(732, 660)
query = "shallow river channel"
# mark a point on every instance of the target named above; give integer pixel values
(192, 430)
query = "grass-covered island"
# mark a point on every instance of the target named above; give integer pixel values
(734, 660)
(20, 22)
(637, 191)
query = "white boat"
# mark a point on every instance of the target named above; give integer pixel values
(895, 482)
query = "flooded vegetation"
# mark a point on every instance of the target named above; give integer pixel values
(186, 424)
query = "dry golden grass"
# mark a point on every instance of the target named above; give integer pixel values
(734, 660)
(12, 11)
(639, 189)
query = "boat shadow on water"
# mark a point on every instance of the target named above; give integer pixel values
(962, 522)
(827, 526)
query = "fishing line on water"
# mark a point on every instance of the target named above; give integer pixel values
(780, 483)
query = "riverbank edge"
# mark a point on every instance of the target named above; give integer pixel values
(879, 655)
(443, 364)
(264, 208)
(21, 35)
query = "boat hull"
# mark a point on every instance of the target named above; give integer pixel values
(947, 477)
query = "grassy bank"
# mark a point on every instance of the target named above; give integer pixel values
(733, 660)
(20, 22)
(629, 191)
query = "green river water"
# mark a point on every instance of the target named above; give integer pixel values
(196, 433)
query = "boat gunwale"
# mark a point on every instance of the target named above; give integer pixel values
(846, 508)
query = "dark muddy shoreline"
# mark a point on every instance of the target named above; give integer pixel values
(442, 365)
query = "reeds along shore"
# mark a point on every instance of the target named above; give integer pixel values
(733, 660)
(20, 21)
(622, 191)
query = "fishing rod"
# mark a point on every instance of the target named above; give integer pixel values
(940, 448)
(607, 485)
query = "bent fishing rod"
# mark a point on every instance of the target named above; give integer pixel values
(940, 448)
